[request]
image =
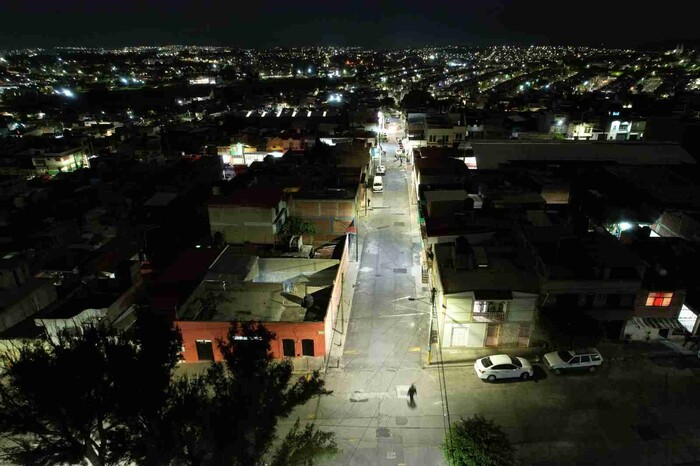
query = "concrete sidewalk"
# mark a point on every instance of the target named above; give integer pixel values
(612, 351)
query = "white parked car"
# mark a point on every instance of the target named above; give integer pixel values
(502, 366)
(381, 170)
(560, 361)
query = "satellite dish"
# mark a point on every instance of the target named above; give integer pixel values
(307, 302)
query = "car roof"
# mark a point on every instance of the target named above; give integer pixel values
(581, 351)
(501, 359)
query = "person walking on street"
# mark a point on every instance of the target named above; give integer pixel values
(411, 393)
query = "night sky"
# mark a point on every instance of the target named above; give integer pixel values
(367, 23)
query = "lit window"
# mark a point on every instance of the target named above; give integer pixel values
(659, 299)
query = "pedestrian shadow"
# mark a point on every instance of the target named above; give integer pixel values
(412, 404)
(538, 373)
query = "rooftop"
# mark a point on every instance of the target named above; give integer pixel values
(269, 289)
(502, 272)
(250, 197)
(567, 255)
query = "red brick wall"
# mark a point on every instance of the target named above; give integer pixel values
(193, 331)
(330, 216)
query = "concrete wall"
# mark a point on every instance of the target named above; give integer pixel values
(193, 331)
(331, 217)
(26, 301)
(336, 301)
(241, 224)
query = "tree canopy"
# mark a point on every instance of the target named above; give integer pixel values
(477, 441)
(94, 397)
(298, 226)
(109, 398)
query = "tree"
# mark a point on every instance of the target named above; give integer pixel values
(417, 99)
(229, 415)
(298, 226)
(477, 441)
(93, 398)
(107, 398)
(302, 446)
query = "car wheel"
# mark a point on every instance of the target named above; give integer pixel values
(591, 369)
(491, 378)
(525, 376)
(558, 371)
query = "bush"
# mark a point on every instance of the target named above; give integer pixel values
(477, 441)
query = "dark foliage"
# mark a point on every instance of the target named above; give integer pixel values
(477, 441)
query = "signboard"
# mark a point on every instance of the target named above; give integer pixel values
(237, 149)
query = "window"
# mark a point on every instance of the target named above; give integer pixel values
(288, 347)
(585, 359)
(205, 350)
(524, 331)
(575, 360)
(659, 299)
(489, 306)
(458, 136)
(307, 347)
(432, 138)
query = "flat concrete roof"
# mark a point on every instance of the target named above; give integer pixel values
(490, 154)
(501, 274)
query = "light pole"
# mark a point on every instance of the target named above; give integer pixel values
(433, 316)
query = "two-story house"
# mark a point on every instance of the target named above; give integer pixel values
(249, 215)
(46, 162)
(583, 272)
(483, 298)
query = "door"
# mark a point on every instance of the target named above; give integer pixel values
(205, 350)
(504, 371)
(307, 347)
(492, 332)
(288, 349)
(524, 335)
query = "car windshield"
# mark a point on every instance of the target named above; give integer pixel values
(486, 362)
(516, 361)
(564, 355)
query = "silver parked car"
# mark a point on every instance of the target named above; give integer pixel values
(502, 366)
(585, 359)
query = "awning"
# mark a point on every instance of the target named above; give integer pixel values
(658, 323)
(493, 295)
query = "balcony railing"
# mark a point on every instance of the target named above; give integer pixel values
(492, 316)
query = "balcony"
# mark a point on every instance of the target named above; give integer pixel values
(489, 316)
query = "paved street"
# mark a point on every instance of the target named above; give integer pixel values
(637, 409)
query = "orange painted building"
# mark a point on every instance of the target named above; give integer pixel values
(297, 299)
(298, 339)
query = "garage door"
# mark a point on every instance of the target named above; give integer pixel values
(471, 335)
